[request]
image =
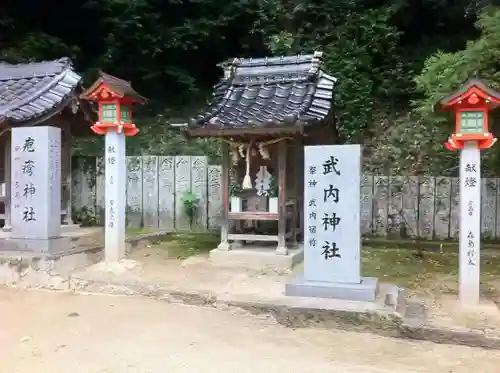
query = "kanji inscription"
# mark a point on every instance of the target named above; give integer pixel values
(332, 221)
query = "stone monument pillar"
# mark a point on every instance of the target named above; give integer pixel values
(332, 237)
(470, 223)
(36, 189)
(116, 181)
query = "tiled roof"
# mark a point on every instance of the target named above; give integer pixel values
(120, 86)
(269, 93)
(34, 90)
(469, 83)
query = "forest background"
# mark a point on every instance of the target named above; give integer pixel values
(394, 61)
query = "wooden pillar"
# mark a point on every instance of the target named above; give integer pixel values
(224, 229)
(67, 141)
(281, 249)
(300, 186)
(7, 172)
(294, 172)
(235, 226)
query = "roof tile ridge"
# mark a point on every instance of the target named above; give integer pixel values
(65, 61)
(219, 106)
(17, 104)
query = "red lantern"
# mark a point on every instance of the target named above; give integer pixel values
(471, 105)
(115, 98)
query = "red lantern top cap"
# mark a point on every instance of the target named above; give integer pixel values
(473, 93)
(108, 87)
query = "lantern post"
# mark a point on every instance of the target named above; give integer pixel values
(470, 106)
(115, 98)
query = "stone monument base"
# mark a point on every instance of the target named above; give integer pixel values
(257, 257)
(365, 291)
(54, 246)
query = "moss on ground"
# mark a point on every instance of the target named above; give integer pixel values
(445, 245)
(184, 245)
(436, 272)
(139, 231)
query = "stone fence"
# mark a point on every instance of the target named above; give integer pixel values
(395, 206)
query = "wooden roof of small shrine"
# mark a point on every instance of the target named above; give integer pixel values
(117, 85)
(32, 93)
(267, 96)
(466, 86)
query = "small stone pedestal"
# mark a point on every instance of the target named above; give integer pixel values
(257, 257)
(365, 291)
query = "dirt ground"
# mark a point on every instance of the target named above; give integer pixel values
(61, 333)
(433, 280)
(196, 273)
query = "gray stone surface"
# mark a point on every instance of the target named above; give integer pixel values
(115, 195)
(36, 183)
(332, 213)
(470, 225)
(53, 246)
(43, 271)
(51, 270)
(365, 291)
(257, 257)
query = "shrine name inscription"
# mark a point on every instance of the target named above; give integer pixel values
(331, 238)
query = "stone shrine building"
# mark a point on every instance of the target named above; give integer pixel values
(41, 94)
(264, 110)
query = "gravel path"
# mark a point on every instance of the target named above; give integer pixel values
(63, 333)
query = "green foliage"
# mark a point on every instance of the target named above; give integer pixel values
(443, 73)
(38, 45)
(235, 189)
(157, 139)
(170, 51)
(408, 146)
(190, 204)
(361, 51)
(365, 84)
(273, 187)
(183, 245)
(85, 217)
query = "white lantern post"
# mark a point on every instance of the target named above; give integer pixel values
(470, 106)
(115, 98)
